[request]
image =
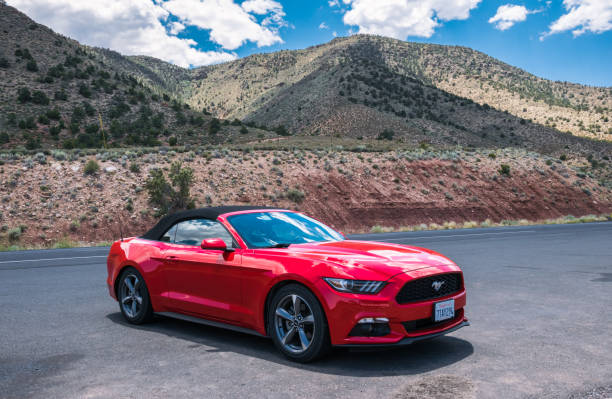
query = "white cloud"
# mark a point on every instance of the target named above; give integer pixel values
(142, 27)
(262, 6)
(334, 3)
(583, 16)
(403, 18)
(508, 15)
(273, 9)
(176, 27)
(230, 24)
(323, 25)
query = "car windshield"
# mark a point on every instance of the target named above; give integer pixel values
(280, 229)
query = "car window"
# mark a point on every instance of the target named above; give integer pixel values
(192, 232)
(268, 229)
(169, 235)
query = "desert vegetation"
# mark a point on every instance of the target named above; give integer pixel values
(47, 197)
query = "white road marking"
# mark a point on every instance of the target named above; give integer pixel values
(457, 235)
(38, 260)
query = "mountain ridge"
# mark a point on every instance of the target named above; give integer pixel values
(541, 95)
(360, 87)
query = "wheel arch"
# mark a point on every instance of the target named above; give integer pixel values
(280, 284)
(120, 270)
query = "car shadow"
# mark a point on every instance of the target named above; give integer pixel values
(417, 358)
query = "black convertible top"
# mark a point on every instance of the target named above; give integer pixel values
(203, 213)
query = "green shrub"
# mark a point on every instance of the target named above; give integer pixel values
(492, 155)
(296, 195)
(386, 134)
(74, 128)
(214, 126)
(61, 95)
(58, 155)
(32, 66)
(563, 157)
(91, 167)
(32, 143)
(134, 167)
(27, 123)
(54, 114)
(38, 97)
(74, 225)
(197, 121)
(55, 130)
(78, 114)
(244, 130)
(504, 170)
(89, 109)
(14, 234)
(24, 95)
(23, 53)
(43, 119)
(68, 144)
(4, 63)
(281, 130)
(174, 196)
(84, 90)
(92, 129)
(172, 141)
(181, 119)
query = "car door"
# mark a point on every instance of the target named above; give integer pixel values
(203, 282)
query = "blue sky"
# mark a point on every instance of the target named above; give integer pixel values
(560, 39)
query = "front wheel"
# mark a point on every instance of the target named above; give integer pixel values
(297, 324)
(133, 297)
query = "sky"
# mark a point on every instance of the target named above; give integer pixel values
(567, 40)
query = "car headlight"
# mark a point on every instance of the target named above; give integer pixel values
(355, 286)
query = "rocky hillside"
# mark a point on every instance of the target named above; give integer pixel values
(409, 86)
(49, 198)
(55, 92)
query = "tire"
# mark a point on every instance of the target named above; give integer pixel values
(133, 297)
(302, 338)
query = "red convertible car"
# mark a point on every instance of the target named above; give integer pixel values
(282, 274)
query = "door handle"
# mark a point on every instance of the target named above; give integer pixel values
(171, 257)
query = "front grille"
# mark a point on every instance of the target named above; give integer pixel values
(422, 289)
(425, 324)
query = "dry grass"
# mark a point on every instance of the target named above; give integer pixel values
(569, 219)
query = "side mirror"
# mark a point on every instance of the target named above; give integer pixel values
(215, 244)
(342, 232)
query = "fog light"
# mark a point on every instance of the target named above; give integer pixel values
(371, 327)
(373, 320)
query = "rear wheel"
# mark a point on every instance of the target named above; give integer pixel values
(297, 325)
(133, 297)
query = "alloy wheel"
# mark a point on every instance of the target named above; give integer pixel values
(131, 295)
(294, 323)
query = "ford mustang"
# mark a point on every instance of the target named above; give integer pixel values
(284, 275)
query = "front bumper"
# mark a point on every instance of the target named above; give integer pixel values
(409, 340)
(343, 311)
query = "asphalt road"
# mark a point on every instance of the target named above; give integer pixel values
(539, 299)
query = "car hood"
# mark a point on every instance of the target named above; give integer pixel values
(367, 259)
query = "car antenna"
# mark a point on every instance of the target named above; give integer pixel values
(120, 228)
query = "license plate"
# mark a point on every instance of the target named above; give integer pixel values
(444, 310)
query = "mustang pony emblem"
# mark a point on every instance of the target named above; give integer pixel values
(436, 285)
